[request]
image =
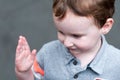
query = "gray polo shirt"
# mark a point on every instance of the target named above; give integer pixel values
(59, 64)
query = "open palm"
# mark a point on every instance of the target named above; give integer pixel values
(24, 56)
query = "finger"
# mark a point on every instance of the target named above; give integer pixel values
(33, 53)
(25, 43)
(22, 46)
(18, 48)
(31, 57)
(18, 51)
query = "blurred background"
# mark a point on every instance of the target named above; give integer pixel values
(33, 19)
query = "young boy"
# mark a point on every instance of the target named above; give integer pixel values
(81, 51)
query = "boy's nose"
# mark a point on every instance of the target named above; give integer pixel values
(68, 42)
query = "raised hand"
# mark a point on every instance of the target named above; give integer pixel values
(24, 56)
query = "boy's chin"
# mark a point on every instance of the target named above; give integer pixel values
(74, 51)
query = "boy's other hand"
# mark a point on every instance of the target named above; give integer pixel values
(24, 56)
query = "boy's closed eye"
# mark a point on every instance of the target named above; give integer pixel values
(61, 32)
(73, 35)
(76, 35)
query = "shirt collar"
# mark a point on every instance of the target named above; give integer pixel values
(68, 56)
(98, 63)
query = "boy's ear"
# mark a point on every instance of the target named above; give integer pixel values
(107, 26)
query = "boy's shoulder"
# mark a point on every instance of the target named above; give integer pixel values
(112, 60)
(114, 50)
(55, 44)
(52, 43)
(113, 54)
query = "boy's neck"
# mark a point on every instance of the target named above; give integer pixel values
(85, 59)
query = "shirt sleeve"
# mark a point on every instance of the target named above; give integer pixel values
(38, 65)
(37, 71)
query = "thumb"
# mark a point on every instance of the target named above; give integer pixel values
(34, 53)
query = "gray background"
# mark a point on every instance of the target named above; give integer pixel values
(33, 19)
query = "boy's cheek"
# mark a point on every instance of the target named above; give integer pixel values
(85, 45)
(60, 38)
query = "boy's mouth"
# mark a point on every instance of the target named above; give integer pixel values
(72, 49)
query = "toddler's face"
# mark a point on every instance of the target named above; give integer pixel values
(79, 34)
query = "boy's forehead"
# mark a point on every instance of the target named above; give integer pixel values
(72, 19)
(74, 24)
